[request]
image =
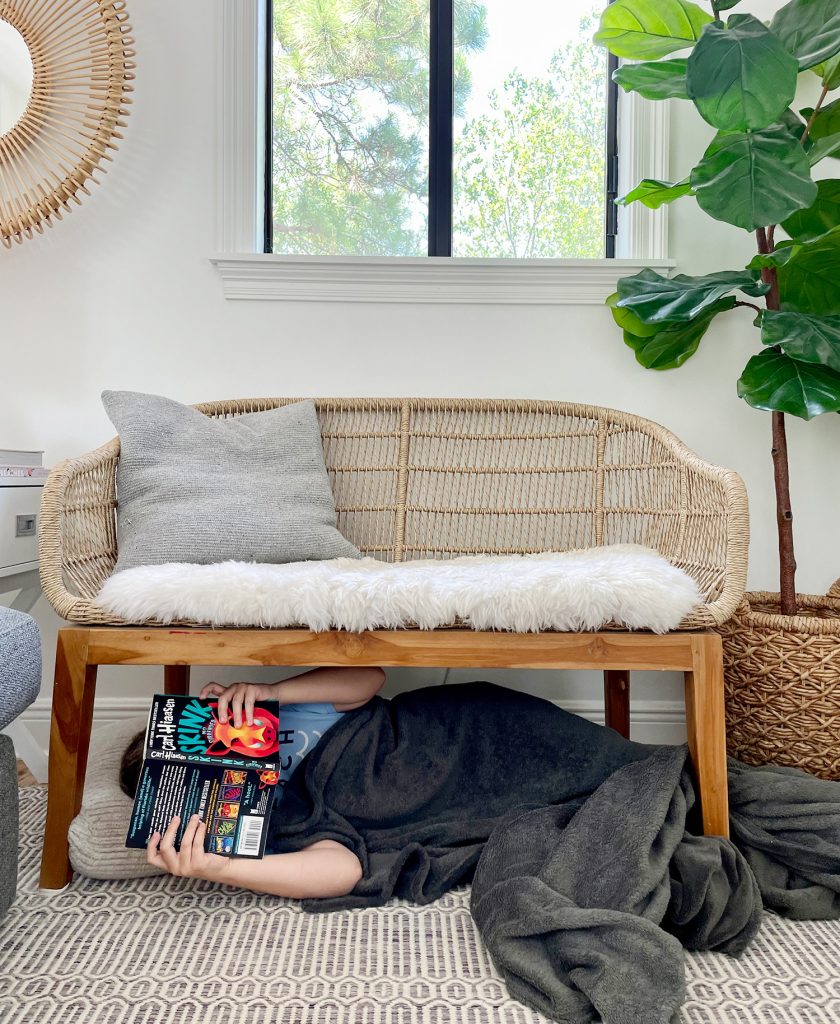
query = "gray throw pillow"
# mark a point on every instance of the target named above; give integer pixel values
(193, 488)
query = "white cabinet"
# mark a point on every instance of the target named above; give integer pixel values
(20, 501)
(19, 510)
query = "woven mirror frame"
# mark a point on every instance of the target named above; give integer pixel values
(82, 69)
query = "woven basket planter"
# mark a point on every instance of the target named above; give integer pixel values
(783, 682)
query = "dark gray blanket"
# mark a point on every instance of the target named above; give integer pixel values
(585, 915)
(787, 825)
(587, 875)
(415, 785)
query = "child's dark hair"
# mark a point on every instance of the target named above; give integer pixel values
(132, 762)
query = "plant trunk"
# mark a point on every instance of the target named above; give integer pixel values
(784, 516)
(781, 473)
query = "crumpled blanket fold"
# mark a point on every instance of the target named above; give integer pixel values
(787, 823)
(590, 926)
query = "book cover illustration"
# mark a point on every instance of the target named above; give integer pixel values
(196, 764)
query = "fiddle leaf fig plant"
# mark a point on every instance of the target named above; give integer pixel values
(757, 174)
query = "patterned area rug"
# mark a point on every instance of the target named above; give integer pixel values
(163, 950)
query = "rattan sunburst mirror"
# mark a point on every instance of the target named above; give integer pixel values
(66, 68)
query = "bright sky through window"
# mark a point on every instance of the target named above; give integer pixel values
(524, 34)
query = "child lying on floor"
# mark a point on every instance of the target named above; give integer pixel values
(312, 703)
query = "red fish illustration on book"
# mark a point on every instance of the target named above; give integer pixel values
(258, 739)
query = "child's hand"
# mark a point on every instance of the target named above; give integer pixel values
(238, 698)
(190, 861)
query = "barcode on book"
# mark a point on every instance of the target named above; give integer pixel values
(250, 834)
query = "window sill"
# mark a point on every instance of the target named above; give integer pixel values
(423, 279)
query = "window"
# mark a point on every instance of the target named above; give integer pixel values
(456, 127)
(311, 267)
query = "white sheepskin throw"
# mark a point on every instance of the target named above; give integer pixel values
(569, 591)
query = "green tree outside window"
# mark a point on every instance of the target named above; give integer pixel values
(350, 127)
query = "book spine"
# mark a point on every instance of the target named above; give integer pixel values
(147, 743)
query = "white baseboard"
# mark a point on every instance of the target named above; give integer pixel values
(652, 721)
(31, 731)
(106, 709)
(28, 749)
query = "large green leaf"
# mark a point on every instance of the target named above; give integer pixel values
(672, 346)
(771, 380)
(654, 298)
(822, 216)
(829, 72)
(633, 341)
(810, 29)
(655, 80)
(629, 322)
(741, 77)
(827, 121)
(796, 126)
(667, 350)
(752, 179)
(778, 258)
(647, 29)
(810, 281)
(829, 146)
(810, 339)
(653, 193)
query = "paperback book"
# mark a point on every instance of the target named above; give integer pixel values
(195, 764)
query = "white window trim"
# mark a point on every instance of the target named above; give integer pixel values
(247, 273)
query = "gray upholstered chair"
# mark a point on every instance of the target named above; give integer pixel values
(20, 680)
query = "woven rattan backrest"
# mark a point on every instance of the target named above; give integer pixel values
(436, 478)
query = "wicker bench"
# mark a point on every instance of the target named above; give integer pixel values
(417, 478)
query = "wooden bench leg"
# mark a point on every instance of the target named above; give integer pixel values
(72, 714)
(176, 680)
(706, 728)
(617, 701)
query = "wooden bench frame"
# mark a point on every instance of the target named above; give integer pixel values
(82, 649)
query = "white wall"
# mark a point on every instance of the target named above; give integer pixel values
(121, 295)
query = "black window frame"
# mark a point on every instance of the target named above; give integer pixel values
(268, 126)
(441, 134)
